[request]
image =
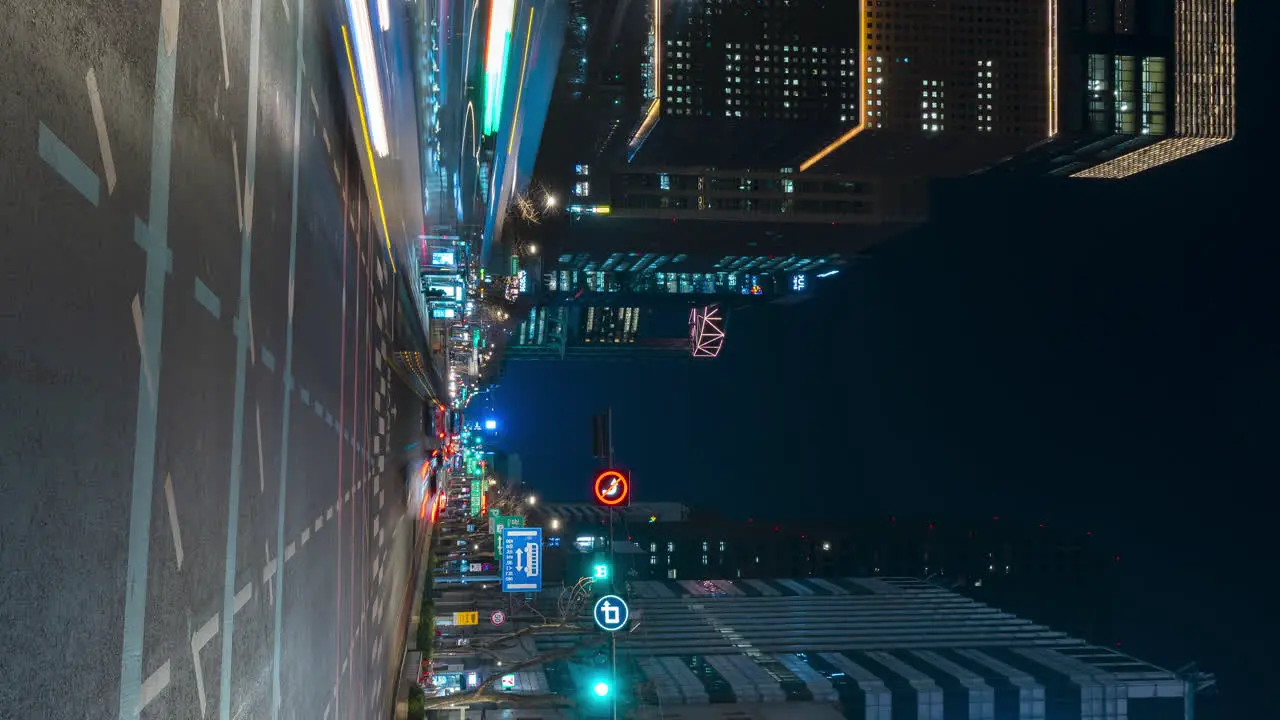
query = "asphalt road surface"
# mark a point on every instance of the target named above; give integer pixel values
(198, 516)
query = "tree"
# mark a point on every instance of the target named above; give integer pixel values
(569, 607)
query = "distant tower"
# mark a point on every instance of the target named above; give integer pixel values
(706, 331)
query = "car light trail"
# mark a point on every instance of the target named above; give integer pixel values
(524, 63)
(373, 168)
(366, 61)
(502, 15)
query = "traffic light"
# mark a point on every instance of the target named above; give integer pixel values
(600, 571)
(601, 688)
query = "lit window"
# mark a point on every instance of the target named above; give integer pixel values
(671, 574)
(671, 547)
(704, 559)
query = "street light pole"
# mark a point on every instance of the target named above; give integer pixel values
(613, 574)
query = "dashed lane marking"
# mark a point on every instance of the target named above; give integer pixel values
(139, 330)
(222, 35)
(198, 641)
(174, 530)
(235, 166)
(262, 475)
(268, 359)
(306, 535)
(207, 299)
(100, 124)
(269, 572)
(319, 522)
(153, 685)
(328, 514)
(305, 395)
(289, 551)
(67, 164)
(244, 596)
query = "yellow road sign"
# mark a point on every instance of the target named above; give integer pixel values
(466, 618)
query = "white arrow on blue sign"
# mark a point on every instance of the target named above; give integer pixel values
(611, 613)
(522, 560)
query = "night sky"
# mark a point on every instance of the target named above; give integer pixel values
(1101, 356)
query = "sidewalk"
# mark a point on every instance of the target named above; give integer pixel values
(412, 654)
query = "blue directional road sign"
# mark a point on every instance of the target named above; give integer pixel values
(522, 560)
(611, 613)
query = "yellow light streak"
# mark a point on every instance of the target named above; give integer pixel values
(528, 34)
(368, 148)
(862, 94)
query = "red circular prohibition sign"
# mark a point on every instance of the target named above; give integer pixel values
(611, 488)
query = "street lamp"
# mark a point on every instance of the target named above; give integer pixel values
(532, 500)
(551, 202)
(532, 248)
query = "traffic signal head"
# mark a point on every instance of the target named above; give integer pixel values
(601, 688)
(600, 572)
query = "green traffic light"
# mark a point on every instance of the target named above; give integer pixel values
(601, 689)
(601, 572)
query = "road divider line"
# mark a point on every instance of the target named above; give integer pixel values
(100, 124)
(319, 522)
(328, 515)
(222, 35)
(306, 535)
(287, 18)
(153, 236)
(67, 164)
(244, 596)
(174, 530)
(207, 299)
(198, 641)
(154, 684)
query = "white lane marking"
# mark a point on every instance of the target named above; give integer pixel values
(243, 597)
(198, 641)
(328, 146)
(380, 499)
(174, 530)
(344, 665)
(328, 708)
(289, 551)
(146, 369)
(328, 515)
(100, 122)
(222, 34)
(346, 497)
(285, 5)
(235, 165)
(268, 572)
(319, 522)
(153, 685)
(262, 475)
(169, 21)
(315, 107)
(306, 535)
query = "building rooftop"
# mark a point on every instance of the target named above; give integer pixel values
(883, 644)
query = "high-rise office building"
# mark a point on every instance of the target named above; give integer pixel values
(920, 88)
